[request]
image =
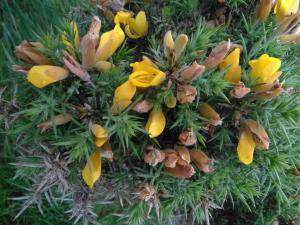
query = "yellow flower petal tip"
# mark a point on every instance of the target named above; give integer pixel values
(109, 42)
(41, 76)
(68, 43)
(124, 91)
(245, 147)
(100, 141)
(234, 72)
(92, 170)
(145, 74)
(285, 8)
(137, 27)
(156, 123)
(99, 131)
(265, 69)
(123, 17)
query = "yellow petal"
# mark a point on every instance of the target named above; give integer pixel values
(92, 170)
(100, 141)
(67, 42)
(41, 76)
(246, 147)
(99, 131)
(76, 34)
(265, 69)
(137, 27)
(285, 8)
(233, 59)
(156, 123)
(120, 106)
(122, 17)
(234, 74)
(143, 65)
(125, 91)
(109, 42)
(103, 66)
(145, 79)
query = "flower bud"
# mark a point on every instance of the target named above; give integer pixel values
(180, 45)
(153, 156)
(143, 106)
(188, 138)
(89, 43)
(259, 135)
(209, 113)
(170, 101)
(268, 91)
(191, 72)
(289, 29)
(147, 192)
(239, 90)
(103, 66)
(75, 67)
(41, 76)
(169, 45)
(186, 93)
(28, 52)
(181, 171)
(202, 161)
(156, 123)
(264, 9)
(217, 55)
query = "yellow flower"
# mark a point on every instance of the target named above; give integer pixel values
(245, 147)
(265, 69)
(67, 42)
(234, 72)
(100, 134)
(145, 74)
(109, 42)
(41, 76)
(252, 135)
(137, 27)
(285, 8)
(122, 98)
(92, 170)
(123, 17)
(156, 123)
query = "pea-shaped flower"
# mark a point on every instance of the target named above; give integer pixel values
(285, 8)
(265, 69)
(41, 76)
(156, 123)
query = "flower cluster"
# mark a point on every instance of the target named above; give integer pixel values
(155, 88)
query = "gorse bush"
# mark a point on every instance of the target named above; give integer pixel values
(151, 112)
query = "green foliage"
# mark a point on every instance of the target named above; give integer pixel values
(260, 193)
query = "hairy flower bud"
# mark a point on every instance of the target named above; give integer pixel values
(239, 90)
(202, 161)
(188, 138)
(209, 113)
(28, 52)
(217, 55)
(89, 43)
(191, 72)
(186, 93)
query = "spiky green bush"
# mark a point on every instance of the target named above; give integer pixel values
(41, 178)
